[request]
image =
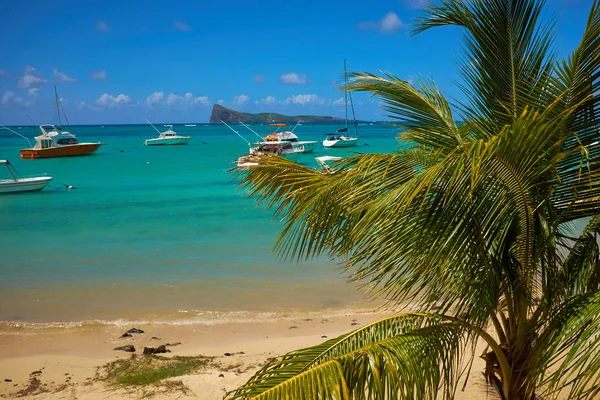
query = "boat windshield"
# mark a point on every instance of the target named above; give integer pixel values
(67, 141)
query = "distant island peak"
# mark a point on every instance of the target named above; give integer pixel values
(220, 113)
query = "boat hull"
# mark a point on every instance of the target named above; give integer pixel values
(167, 142)
(308, 146)
(347, 142)
(61, 151)
(24, 184)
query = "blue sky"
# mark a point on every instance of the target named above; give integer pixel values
(125, 61)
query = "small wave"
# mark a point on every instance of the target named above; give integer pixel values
(187, 317)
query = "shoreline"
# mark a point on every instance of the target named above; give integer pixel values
(65, 362)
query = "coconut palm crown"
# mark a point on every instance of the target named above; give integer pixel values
(473, 221)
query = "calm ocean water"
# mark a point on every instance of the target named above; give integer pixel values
(155, 232)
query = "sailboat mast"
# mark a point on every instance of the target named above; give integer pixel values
(346, 94)
(57, 105)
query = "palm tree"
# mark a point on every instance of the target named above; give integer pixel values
(474, 222)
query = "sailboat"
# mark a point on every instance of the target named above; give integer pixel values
(54, 142)
(340, 138)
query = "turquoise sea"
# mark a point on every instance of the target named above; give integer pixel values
(156, 232)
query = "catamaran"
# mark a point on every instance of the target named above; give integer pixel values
(340, 137)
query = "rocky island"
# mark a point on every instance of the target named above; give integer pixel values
(220, 113)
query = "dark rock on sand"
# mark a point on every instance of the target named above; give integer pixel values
(135, 330)
(125, 335)
(221, 376)
(228, 354)
(128, 348)
(156, 350)
(155, 338)
(8, 380)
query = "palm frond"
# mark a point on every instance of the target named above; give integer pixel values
(570, 349)
(420, 111)
(506, 52)
(402, 357)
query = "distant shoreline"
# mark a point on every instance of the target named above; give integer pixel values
(198, 124)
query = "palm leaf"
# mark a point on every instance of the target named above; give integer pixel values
(402, 357)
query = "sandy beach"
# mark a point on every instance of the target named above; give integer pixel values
(66, 363)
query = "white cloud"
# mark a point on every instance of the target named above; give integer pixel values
(220, 101)
(98, 74)
(175, 100)
(31, 78)
(155, 98)
(202, 100)
(389, 24)
(259, 78)
(102, 26)
(7, 97)
(3, 74)
(269, 100)
(294, 79)
(416, 3)
(62, 77)
(241, 99)
(304, 99)
(181, 26)
(339, 102)
(33, 92)
(111, 101)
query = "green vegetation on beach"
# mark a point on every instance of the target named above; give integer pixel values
(151, 369)
(474, 221)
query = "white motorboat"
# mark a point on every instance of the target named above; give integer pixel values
(340, 138)
(281, 149)
(21, 184)
(168, 137)
(308, 146)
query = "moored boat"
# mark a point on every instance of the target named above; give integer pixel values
(54, 142)
(281, 149)
(168, 137)
(340, 138)
(308, 146)
(21, 184)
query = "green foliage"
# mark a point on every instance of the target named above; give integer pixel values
(151, 369)
(474, 221)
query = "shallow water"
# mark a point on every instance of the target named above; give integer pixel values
(155, 230)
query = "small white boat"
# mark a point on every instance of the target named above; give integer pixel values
(19, 184)
(335, 141)
(340, 138)
(168, 137)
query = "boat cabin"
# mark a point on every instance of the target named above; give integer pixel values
(274, 147)
(44, 142)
